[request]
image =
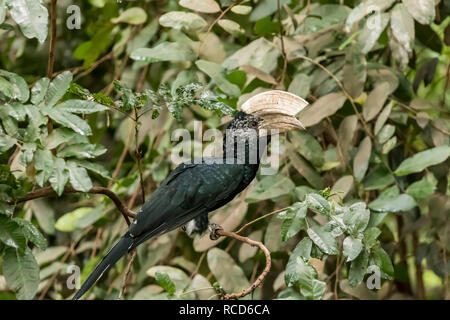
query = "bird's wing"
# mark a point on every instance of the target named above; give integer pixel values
(189, 190)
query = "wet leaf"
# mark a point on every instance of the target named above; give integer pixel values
(21, 272)
(390, 200)
(422, 160)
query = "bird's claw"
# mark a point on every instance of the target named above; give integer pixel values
(213, 228)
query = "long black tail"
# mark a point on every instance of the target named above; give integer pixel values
(116, 252)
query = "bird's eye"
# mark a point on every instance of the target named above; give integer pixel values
(253, 124)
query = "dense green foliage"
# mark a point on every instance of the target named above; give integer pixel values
(363, 191)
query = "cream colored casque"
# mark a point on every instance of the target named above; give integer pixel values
(277, 109)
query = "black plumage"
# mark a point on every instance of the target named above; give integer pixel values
(191, 191)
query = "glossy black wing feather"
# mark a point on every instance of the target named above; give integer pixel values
(190, 190)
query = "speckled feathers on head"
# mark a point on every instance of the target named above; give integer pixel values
(244, 121)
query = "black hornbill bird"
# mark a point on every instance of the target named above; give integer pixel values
(192, 190)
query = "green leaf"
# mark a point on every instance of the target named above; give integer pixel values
(2, 11)
(81, 106)
(143, 37)
(165, 51)
(240, 9)
(370, 237)
(422, 160)
(27, 152)
(355, 71)
(39, 90)
(11, 234)
(383, 261)
(81, 151)
(260, 54)
(79, 178)
(390, 200)
(361, 160)
(89, 51)
(226, 271)
(352, 248)
(323, 107)
(292, 225)
(182, 20)
(422, 11)
(266, 8)
(57, 88)
(31, 16)
(376, 100)
(6, 88)
(93, 167)
(204, 6)
(79, 218)
(386, 132)
(60, 176)
(306, 170)
(358, 269)
(165, 282)
(318, 204)
(43, 162)
(300, 85)
(305, 276)
(21, 273)
(421, 189)
(308, 147)
(389, 145)
(270, 187)
(69, 120)
(19, 86)
(356, 218)
(217, 74)
(6, 143)
(133, 16)
(323, 239)
(312, 288)
(32, 233)
(378, 178)
(231, 27)
(296, 268)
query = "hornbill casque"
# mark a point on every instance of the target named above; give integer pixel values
(192, 190)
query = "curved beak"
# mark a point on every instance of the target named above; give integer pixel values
(276, 109)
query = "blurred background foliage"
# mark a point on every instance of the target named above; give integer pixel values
(367, 184)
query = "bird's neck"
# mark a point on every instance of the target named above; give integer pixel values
(245, 150)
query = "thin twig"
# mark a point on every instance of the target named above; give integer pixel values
(68, 253)
(138, 154)
(122, 157)
(127, 275)
(261, 277)
(51, 50)
(347, 95)
(420, 286)
(283, 50)
(260, 218)
(93, 66)
(48, 191)
(199, 263)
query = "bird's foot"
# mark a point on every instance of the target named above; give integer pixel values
(213, 228)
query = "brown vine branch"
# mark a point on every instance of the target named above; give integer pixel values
(261, 277)
(48, 191)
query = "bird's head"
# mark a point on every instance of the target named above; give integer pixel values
(269, 111)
